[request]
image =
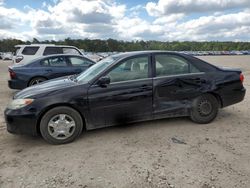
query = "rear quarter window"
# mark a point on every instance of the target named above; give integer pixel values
(30, 50)
(70, 51)
(77, 61)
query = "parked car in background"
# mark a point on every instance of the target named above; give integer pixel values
(7, 56)
(125, 88)
(26, 53)
(45, 68)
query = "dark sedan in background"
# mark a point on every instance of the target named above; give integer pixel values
(125, 88)
(46, 68)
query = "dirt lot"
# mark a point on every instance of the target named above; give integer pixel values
(139, 155)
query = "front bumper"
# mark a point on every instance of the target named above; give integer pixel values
(16, 84)
(21, 122)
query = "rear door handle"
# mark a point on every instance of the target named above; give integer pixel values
(145, 87)
(49, 70)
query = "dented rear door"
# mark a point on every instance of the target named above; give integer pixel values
(176, 82)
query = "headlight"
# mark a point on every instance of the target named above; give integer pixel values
(19, 103)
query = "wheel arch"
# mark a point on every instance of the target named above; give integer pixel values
(54, 106)
(218, 97)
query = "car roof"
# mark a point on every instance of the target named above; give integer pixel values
(134, 53)
(55, 55)
(59, 55)
(49, 45)
(21, 45)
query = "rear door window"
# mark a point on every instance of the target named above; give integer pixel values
(30, 50)
(167, 65)
(52, 50)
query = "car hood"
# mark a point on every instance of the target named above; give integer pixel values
(45, 88)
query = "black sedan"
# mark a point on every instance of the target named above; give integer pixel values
(46, 68)
(124, 88)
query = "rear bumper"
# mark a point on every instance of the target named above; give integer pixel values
(16, 84)
(233, 97)
(19, 122)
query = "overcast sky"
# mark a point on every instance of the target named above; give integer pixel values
(165, 20)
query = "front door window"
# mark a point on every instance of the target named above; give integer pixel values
(132, 69)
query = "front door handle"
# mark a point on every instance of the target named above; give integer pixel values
(48, 70)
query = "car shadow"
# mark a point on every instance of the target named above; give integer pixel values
(151, 125)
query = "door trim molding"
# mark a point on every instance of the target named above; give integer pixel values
(179, 75)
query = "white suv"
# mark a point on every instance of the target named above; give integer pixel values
(26, 53)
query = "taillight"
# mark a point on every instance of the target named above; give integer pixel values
(242, 78)
(12, 74)
(19, 58)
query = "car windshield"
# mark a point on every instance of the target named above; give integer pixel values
(96, 69)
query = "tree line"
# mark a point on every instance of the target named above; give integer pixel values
(112, 45)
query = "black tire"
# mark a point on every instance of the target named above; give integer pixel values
(204, 109)
(45, 129)
(36, 80)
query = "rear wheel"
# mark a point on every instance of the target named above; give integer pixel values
(36, 80)
(61, 125)
(204, 109)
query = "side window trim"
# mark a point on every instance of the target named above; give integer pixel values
(178, 75)
(67, 60)
(64, 59)
(126, 81)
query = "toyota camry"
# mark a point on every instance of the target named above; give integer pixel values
(124, 88)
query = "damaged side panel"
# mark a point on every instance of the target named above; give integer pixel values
(173, 94)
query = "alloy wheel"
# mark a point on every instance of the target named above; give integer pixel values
(61, 126)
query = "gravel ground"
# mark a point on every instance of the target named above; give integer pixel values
(164, 153)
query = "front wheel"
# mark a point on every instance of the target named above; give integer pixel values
(204, 109)
(61, 125)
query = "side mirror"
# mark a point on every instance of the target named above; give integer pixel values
(103, 81)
